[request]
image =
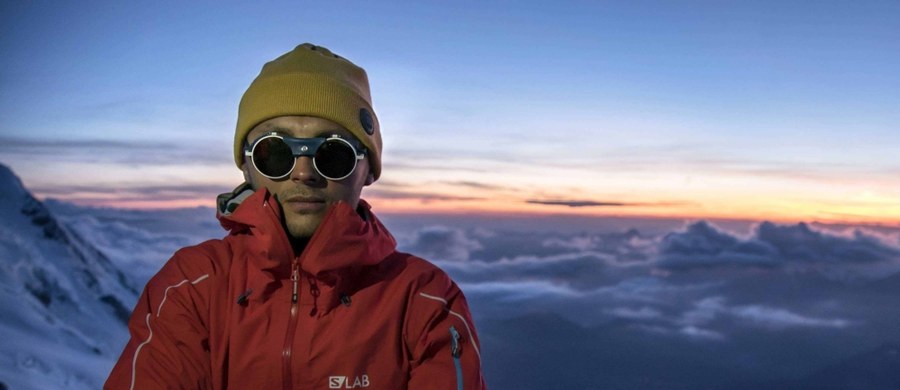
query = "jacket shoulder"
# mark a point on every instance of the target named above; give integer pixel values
(423, 279)
(207, 259)
(420, 272)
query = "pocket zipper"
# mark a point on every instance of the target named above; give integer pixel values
(455, 351)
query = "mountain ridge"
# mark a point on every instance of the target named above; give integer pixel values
(64, 304)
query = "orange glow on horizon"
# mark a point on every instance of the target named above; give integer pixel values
(750, 212)
(140, 204)
(775, 211)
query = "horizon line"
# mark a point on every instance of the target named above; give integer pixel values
(553, 211)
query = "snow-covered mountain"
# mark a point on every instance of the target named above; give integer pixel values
(64, 305)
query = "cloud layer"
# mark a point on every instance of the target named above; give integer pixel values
(621, 303)
(762, 299)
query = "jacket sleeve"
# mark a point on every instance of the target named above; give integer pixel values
(441, 338)
(168, 347)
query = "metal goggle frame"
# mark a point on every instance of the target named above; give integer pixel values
(275, 156)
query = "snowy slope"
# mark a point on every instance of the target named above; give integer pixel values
(63, 304)
(138, 241)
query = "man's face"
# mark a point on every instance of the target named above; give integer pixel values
(304, 195)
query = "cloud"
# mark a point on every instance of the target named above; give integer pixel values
(652, 290)
(415, 164)
(702, 245)
(140, 240)
(615, 279)
(580, 243)
(698, 294)
(594, 203)
(643, 313)
(583, 271)
(522, 291)
(478, 185)
(443, 243)
(800, 243)
(134, 152)
(423, 197)
(576, 203)
(780, 318)
(704, 311)
(635, 302)
(96, 195)
(702, 334)
(708, 310)
(22, 145)
(150, 192)
(627, 247)
(581, 261)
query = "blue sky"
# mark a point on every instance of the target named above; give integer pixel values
(768, 105)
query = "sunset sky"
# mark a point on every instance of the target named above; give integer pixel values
(778, 110)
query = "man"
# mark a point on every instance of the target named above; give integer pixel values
(307, 290)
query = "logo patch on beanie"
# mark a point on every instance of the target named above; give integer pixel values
(365, 119)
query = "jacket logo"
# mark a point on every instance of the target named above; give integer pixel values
(346, 382)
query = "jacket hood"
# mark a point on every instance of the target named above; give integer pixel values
(345, 240)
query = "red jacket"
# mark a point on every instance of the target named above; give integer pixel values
(349, 313)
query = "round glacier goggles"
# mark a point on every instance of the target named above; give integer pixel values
(333, 157)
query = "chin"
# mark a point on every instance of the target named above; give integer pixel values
(303, 226)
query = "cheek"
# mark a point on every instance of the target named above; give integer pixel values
(252, 179)
(258, 181)
(349, 189)
(248, 178)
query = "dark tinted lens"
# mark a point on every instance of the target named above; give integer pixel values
(273, 157)
(335, 159)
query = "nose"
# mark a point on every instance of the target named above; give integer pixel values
(305, 172)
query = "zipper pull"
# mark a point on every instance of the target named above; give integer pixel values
(295, 279)
(314, 292)
(313, 287)
(454, 342)
(242, 299)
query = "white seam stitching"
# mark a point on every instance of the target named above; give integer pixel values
(434, 297)
(166, 294)
(463, 319)
(138, 351)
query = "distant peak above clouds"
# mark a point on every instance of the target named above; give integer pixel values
(10, 185)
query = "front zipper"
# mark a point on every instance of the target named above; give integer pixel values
(292, 324)
(455, 351)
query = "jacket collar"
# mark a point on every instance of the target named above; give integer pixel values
(346, 240)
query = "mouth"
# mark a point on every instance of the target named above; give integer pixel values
(304, 204)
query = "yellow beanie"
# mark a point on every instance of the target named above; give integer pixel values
(311, 80)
